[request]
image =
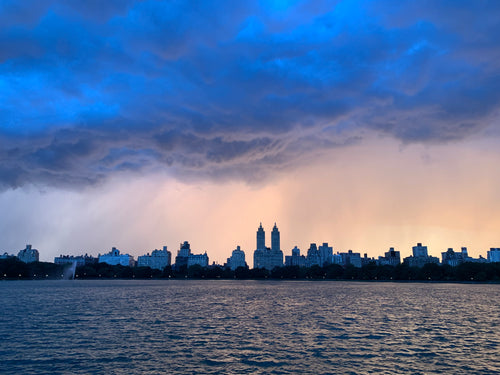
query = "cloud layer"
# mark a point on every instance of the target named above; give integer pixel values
(225, 89)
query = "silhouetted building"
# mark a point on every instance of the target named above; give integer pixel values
(453, 259)
(275, 239)
(493, 255)
(419, 250)
(114, 258)
(295, 259)
(186, 258)
(237, 259)
(268, 258)
(366, 260)
(313, 258)
(199, 259)
(420, 257)
(28, 255)
(6, 256)
(261, 238)
(325, 254)
(390, 258)
(80, 260)
(182, 255)
(159, 259)
(351, 258)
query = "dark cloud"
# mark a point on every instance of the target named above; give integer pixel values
(226, 89)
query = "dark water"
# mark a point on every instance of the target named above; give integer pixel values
(248, 327)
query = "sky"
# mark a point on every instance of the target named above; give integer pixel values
(142, 124)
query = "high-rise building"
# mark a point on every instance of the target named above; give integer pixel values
(313, 258)
(351, 258)
(451, 258)
(186, 258)
(268, 258)
(419, 250)
(159, 259)
(261, 238)
(237, 259)
(420, 257)
(390, 258)
(199, 259)
(295, 259)
(182, 255)
(325, 254)
(115, 258)
(493, 255)
(275, 239)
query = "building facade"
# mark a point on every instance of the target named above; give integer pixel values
(237, 259)
(114, 258)
(452, 258)
(390, 258)
(420, 257)
(268, 258)
(261, 238)
(275, 239)
(493, 255)
(295, 259)
(28, 255)
(198, 259)
(419, 251)
(325, 254)
(366, 260)
(313, 258)
(182, 255)
(80, 260)
(351, 258)
(186, 258)
(159, 259)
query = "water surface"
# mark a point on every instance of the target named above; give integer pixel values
(248, 327)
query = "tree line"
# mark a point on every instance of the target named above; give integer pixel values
(476, 272)
(14, 269)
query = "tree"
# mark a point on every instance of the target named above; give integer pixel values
(242, 273)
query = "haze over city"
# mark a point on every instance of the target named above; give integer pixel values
(138, 124)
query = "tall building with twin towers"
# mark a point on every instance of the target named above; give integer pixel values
(265, 257)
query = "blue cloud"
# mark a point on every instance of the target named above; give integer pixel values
(228, 89)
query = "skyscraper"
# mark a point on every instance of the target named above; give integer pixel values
(265, 257)
(261, 238)
(275, 239)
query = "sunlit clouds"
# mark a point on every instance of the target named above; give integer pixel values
(366, 198)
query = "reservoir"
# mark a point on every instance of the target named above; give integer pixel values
(248, 327)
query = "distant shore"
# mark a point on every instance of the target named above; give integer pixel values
(13, 269)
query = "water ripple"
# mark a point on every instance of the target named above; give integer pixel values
(248, 327)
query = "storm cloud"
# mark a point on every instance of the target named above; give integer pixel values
(225, 89)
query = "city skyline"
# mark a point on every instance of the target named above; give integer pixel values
(364, 124)
(270, 257)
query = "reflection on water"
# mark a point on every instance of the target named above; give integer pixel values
(248, 327)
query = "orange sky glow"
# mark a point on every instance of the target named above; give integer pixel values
(366, 197)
